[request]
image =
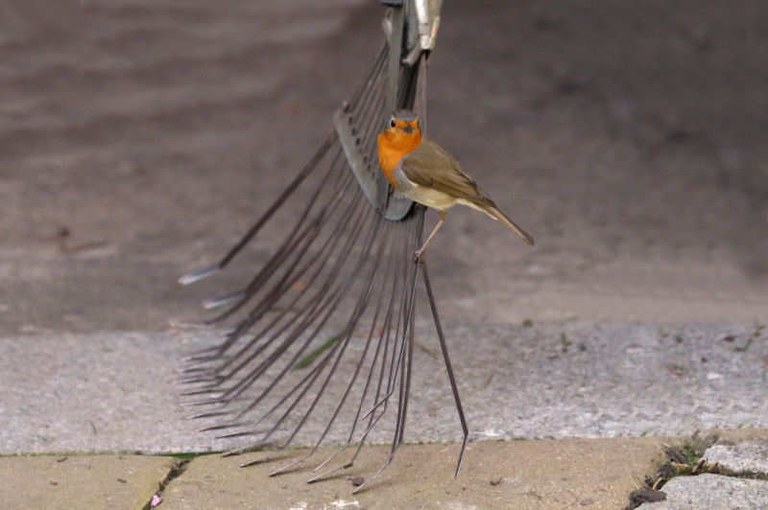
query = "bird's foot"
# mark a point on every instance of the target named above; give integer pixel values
(418, 256)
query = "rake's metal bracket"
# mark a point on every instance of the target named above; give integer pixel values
(410, 27)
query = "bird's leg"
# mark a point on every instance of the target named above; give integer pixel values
(418, 253)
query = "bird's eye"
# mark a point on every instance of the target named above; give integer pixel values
(392, 123)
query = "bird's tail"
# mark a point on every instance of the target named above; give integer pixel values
(494, 212)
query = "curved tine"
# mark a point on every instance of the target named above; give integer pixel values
(223, 426)
(370, 123)
(254, 374)
(357, 213)
(351, 326)
(326, 251)
(264, 460)
(247, 449)
(405, 380)
(384, 243)
(319, 368)
(392, 337)
(372, 127)
(340, 293)
(291, 465)
(292, 187)
(448, 366)
(210, 414)
(376, 475)
(223, 299)
(278, 289)
(384, 337)
(374, 74)
(360, 443)
(198, 274)
(324, 463)
(257, 344)
(302, 232)
(404, 365)
(366, 114)
(403, 264)
(203, 273)
(328, 301)
(404, 312)
(299, 398)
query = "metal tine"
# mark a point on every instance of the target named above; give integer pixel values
(297, 330)
(224, 426)
(200, 274)
(387, 318)
(384, 334)
(289, 467)
(246, 449)
(374, 323)
(234, 435)
(316, 372)
(392, 336)
(200, 353)
(375, 418)
(342, 346)
(289, 248)
(264, 460)
(350, 213)
(372, 278)
(410, 325)
(373, 75)
(448, 365)
(251, 345)
(403, 364)
(210, 414)
(291, 363)
(211, 379)
(292, 187)
(318, 261)
(193, 370)
(223, 299)
(264, 306)
(199, 392)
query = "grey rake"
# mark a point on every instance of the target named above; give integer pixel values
(327, 322)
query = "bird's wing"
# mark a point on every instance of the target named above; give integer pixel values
(431, 166)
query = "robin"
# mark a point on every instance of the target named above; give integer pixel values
(424, 172)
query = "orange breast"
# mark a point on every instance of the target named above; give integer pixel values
(391, 151)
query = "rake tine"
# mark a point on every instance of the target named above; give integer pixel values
(448, 366)
(198, 274)
(345, 265)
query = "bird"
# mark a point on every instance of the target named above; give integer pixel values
(422, 171)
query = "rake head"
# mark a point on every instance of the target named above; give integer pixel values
(326, 325)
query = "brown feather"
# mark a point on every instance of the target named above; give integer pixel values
(430, 166)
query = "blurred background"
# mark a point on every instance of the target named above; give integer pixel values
(140, 138)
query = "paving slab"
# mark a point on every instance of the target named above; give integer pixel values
(743, 457)
(116, 482)
(120, 391)
(712, 492)
(567, 474)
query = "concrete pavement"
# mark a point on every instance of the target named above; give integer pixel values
(140, 139)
